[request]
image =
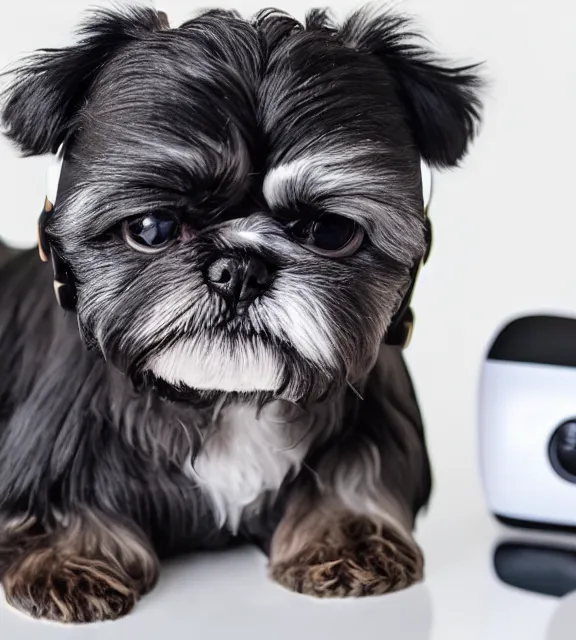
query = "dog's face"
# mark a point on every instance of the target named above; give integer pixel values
(242, 204)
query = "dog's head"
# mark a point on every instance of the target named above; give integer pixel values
(242, 202)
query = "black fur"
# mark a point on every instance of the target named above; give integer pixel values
(52, 86)
(442, 101)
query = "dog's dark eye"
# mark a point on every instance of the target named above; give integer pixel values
(150, 233)
(330, 235)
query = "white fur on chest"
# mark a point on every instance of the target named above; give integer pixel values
(247, 457)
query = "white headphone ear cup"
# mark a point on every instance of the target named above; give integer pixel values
(426, 184)
(53, 176)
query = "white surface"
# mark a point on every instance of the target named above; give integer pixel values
(504, 244)
(521, 405)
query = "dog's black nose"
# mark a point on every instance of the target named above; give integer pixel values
(239, 280)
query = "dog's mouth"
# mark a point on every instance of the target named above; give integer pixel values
(269, 350)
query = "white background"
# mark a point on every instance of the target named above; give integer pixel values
(505, 226)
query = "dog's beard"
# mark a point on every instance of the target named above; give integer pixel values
(219, 365)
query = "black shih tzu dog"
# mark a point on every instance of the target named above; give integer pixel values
(238, 223)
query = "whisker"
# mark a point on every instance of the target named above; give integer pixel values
(355, 391)
(316, 475)
(295, 444)
(218, 408)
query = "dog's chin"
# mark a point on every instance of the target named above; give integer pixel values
(209, 366)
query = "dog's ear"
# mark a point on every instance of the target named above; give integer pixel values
(49, 87)
(442, 102)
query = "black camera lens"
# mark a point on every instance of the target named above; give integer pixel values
(562, 450)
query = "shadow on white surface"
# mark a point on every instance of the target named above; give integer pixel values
(218, 595)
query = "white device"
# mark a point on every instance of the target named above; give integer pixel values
(528, 422)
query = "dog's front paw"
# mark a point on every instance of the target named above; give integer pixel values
(362, 559)
(44, 584)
